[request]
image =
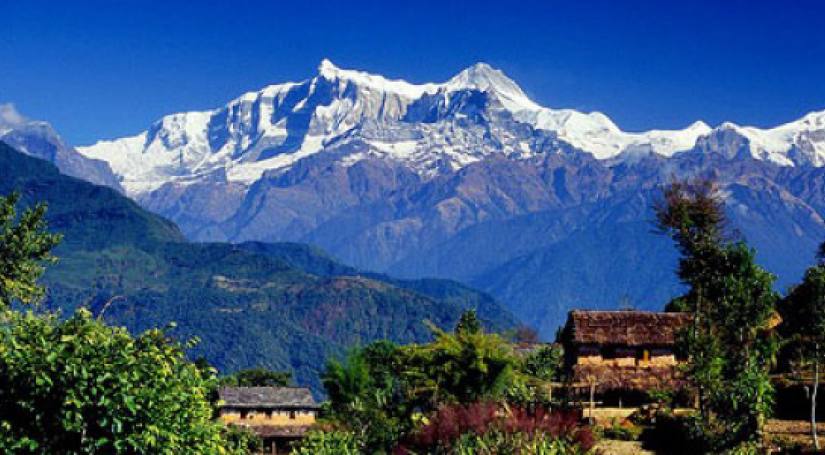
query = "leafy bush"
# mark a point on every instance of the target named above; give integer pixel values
(242, 440)
(746, 448)
(380, 391)
(625, 431)
(328, 443)
(79, 386)
(498, 442)
(545, 363)
(499, 429)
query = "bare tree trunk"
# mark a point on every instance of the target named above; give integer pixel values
(813, 396)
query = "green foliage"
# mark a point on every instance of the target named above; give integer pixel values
(382, 391)
(534, 372)
(24, 246)
(803, 313)
(733, 350)
(241, 440)
(803, 325)
(460, 367)
(730, 345)
(365, 396)
(79, 386)
(497, 442)
(328, 443)
(626, 432)
(660, 396)
(468, 323)
(544, 363)
(257, 377)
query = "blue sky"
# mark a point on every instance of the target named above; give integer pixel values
(107, 69)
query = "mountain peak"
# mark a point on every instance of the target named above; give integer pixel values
(327, 69)
(483, 77)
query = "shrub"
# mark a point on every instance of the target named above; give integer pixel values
(625, 431)
(457, 428)
(319, 442)
(242, 440)
(78, 386)
(499, 442)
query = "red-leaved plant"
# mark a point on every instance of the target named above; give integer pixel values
(450, 422)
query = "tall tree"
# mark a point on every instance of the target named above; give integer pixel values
(803, 323)
(730, 345)
(468, 323)
(25, 246)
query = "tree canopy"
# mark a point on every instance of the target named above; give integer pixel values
(79, 386)
(25, 245)
(730, 344)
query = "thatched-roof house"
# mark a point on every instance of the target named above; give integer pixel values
(279, 415)
(624, 350)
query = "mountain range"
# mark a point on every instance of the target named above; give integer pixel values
(286, 307)
(471, 180)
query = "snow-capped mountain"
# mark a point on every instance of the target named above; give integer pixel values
(431, 128)
(470, 179)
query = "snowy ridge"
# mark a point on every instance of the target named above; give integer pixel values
(428, 127)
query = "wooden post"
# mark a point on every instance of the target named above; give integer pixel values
(592, 400)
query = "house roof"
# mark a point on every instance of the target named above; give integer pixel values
(274, 397)
(624, 328)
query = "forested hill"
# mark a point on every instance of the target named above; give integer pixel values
(280, 306)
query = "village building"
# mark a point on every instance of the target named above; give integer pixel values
(279, 415)
(624, 353)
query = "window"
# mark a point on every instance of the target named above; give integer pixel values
(292, 415)
(244, 414)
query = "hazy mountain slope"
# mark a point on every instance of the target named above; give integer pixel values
(279, 306)
(39, 139)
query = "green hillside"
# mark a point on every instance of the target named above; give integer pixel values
(280, 306)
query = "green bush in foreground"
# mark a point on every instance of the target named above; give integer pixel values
(497, 442)
(328, 443)
(79, 386)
